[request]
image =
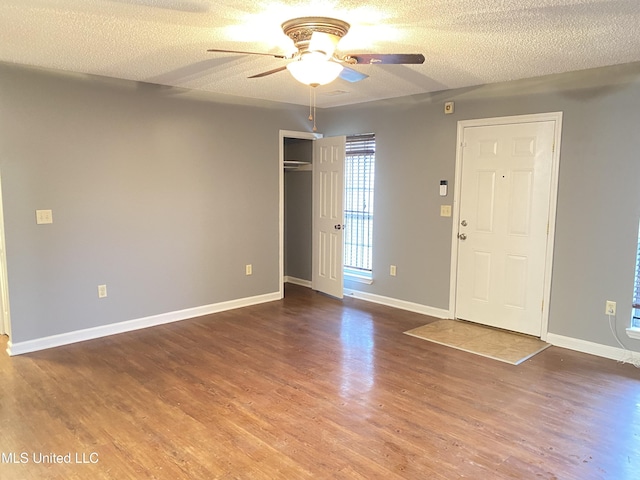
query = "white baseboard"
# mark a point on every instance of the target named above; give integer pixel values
(401, 304)
(614, 353)
(298, 281)
(137, 324)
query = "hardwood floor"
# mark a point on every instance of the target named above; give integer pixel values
(311, 387)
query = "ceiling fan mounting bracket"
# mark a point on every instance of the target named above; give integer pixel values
(301, 29)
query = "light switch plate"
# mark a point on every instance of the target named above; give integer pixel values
(445, 210)
(44, 217)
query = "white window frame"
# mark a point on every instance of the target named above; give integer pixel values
(359, 206)
(634, 330)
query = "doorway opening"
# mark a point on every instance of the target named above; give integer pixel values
(298, 208)
(312, 207)
(296, 202)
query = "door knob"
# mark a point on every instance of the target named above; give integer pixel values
(338, 227)
(462, 236)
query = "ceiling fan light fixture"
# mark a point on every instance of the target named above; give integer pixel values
(315, 61)
(324, 43)
(312, 71)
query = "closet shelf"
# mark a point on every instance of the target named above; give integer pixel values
(296, 165)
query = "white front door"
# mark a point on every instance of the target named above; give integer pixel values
(504, 216)
(328, 192)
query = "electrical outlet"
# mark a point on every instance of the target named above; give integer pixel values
(392, 270)
(248, 269)
(102, 291)
(610, 308)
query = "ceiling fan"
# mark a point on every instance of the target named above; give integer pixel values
(316, 61)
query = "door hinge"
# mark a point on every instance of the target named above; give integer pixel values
(542, 306)
(553, 147)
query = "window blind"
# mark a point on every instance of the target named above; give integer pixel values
(358, 203)
(636, 289)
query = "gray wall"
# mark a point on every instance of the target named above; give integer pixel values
(598, 200)
(162, 198)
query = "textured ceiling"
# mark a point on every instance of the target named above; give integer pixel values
(465, 42)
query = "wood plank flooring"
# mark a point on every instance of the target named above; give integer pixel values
(311, 387)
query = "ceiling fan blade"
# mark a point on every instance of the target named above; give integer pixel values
(247, 53)
(264, 74)
(350, 75)
(386, 59)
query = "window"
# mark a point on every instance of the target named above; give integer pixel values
(635, 322)
(358, 205)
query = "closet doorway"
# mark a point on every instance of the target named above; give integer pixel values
(296, 207)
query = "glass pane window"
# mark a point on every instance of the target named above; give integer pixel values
(635, 321)
(358, 204)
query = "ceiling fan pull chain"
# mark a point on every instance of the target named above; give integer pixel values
(310, 103)
(314, 110)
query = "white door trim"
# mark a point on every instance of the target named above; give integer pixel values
(5, 318)
(541, 117)
(286, 134)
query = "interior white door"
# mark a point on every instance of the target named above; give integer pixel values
(504, 222)
(328, 213)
